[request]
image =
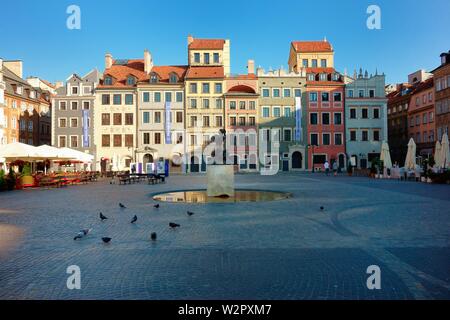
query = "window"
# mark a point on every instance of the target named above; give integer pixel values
(157, 137)
(352, 113)
(361, 93)
(431, 136)
(106, 119)
(311, 77)
(323, 63)
(325, 118)
(252, 105)
(266, 112)
(232, 121)
(218, 88)
(216, 57)
(146, 117)
(365, 135)
(218, 121)
(364, 113)
(338, 139)
(417, 120)
(350, 93)
(371, 93)
(117, 99)
(325, 97)
(74, 105)
(431, 115)
(157, 97)
(298, 93)
(252, 121)
(173, 78)
(62, 105)
(128, 119)
(376, 135)
(242, 121)
(242, 105)
(193, 121)
(193, 103)
(62, 141)
(131, 81)
(323, 77)
(314, 139)
(352, 135)
(128, 99)
(265, 93)
(337, 118)
(179, 96)
(74, 90)
(232, 105)
(337, 96)
(73, 122)
(179, 117)
(74, 141)
(86, 105)
(376, 113)
(193, 88)
(313, 119)
(157, 117)
(108, 81)
(287, 93)
(287, 135)
(179, 137)
(146, 137)
(168, 97)
(205, 103)
(206, 121)
(62, 123)
(197, 57)
(206, 58)
(146, 97)
(314, 63)
(287, 112)
(205, 88)
(276, 93)
(117, 140)
(425, 118)
(313, 96)
(305, 63)
(129, 140)
(117, 119)
(276, 112)
(218, 103)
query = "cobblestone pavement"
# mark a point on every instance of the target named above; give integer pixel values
(269, 250)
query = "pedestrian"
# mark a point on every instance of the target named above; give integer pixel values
(326, 165)
(335, 168)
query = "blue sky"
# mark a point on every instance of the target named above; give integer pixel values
(413, 34)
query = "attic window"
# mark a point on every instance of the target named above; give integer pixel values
(131, 81)
(323, 77)
(335, 76)
(311, 77)
(153, 78)
(173, 78)
(108, 81)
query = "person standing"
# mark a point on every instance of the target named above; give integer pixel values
(335, 168)
(326, 165)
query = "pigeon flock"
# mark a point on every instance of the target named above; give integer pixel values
(153, 236)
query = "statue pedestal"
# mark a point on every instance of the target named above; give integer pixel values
(220, 179)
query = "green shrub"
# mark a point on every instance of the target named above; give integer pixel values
(2, 180)
(26, 171)
(11, 180)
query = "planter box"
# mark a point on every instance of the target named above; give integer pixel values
(27, 181)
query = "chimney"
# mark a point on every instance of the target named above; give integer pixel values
(148, 62)
(16, 66)
(190, 39)
(108, 60)
(251, 66)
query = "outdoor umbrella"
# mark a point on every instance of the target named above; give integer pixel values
(20, 151)
(51, 153)
(445, 152)
(410, 161)
(385, 156)
(437, 155)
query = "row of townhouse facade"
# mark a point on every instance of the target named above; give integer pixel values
(419, 109)
(295, 119)
(25, 106)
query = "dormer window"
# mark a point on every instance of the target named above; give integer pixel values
(108, 81)
(153, 78)
(32, 94)
(173, 78)
(335, 76)
(131, 81)
(323, 77)
(19, 90)
(74, 90)
(311, 77)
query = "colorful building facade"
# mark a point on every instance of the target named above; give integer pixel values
(442, 95)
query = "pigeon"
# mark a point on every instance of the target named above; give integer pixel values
(190, 213)
(86, 231)
(79, 235)
(153, 236)
(106, 239)
(321, 208)
(102, 216)
(122, 205)
(156, 206)
(173, 225)
(134, 219)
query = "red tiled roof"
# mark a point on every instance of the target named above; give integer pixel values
(241, 89)
(164, 72)
(204, 72)
(51, 85)
(134, 67)
(211, 44)
(424, 85)
(312, 46)
(320, 70)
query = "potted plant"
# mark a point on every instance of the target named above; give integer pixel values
(27, 180)
(2, 180)
(11, 180)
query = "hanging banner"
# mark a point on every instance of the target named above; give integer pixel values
(298, 119)
(167, 124)
(85, 128)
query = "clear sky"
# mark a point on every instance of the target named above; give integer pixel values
(412, 36)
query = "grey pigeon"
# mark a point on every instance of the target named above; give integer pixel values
(106, 239)
(173, 225)
(156, 206)
(79, 235)
(103, 217)
(122, 205)
(134, 219)
(153, 236)
(190, 213)
(321, 208)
